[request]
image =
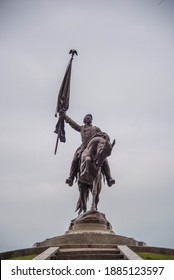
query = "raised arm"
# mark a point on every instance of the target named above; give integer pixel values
(72, 123)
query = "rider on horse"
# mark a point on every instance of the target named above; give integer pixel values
(87, 131)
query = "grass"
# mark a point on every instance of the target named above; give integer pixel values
(29, 257)
(153, 256)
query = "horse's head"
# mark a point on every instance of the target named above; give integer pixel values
(104, 148)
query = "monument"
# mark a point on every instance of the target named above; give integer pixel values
(90, 159)
(90, 229)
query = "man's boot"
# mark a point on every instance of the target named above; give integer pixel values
(107, 173)
(73, 172)
(69, 180)
(110, 181)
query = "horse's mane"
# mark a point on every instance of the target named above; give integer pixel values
(100, 134)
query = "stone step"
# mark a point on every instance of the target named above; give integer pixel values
(85, 246)
(88, 257)
(98, 251)
(88, 254)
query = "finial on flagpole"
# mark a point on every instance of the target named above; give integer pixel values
(73, 52)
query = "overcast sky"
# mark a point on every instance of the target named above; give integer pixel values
(123, 76)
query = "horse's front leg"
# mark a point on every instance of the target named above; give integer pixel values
(98, 193)
(94, 194)
(87, 161)
(85, 170)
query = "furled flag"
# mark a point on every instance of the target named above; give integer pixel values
(63, 102)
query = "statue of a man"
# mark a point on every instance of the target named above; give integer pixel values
(87, 131)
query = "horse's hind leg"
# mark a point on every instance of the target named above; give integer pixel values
(79, 206)
(80, 200)
(98, 193)
(83, 197)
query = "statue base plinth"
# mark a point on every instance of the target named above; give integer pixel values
(91, 221)
(89, 229)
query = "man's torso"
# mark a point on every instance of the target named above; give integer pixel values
(87, 132)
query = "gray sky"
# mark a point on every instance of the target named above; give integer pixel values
(123, 75)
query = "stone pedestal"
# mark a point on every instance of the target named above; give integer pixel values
(89, 229)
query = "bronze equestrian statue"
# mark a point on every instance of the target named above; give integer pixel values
(90, 159)
(87, 131)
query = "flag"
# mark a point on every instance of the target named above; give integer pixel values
(64, 92)
(63, 102)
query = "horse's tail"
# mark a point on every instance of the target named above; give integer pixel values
(78, 205)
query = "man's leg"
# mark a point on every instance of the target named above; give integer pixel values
(73, 170)
(107, 173)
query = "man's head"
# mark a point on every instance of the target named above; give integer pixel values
(87, 119)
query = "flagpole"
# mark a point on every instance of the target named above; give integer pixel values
(57, 140)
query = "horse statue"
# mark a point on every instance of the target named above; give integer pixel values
(90, 175)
